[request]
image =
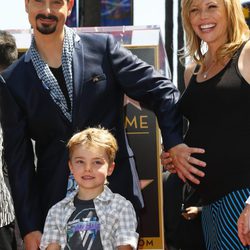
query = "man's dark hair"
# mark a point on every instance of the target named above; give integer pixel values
(8, 49)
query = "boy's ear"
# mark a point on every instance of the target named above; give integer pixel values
(111, 168)
(70, 166)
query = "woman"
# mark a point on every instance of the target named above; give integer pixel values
(217, 105)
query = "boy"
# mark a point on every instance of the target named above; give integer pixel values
(92, 217)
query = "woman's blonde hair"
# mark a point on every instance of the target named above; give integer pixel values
(238, 32)
(94, 137)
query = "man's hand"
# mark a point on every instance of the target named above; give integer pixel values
(127, 247)
(167, 162)
(32, 240)
(244, 226)
(182, 162)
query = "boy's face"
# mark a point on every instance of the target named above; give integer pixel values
(48, 16)
(90, 167)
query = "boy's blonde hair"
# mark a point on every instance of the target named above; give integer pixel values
(94, 137)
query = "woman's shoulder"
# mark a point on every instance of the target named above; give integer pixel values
(244, 61)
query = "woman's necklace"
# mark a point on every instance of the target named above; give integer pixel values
(205, 74)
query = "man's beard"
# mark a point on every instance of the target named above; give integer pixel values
(46, 29)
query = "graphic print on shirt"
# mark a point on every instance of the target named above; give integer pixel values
(83, 228)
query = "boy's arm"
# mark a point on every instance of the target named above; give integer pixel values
(54, 246)
(126, 235)
(53, 237)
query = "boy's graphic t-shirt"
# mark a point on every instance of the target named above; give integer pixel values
(83, 227)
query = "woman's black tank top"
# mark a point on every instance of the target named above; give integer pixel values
(218, 111)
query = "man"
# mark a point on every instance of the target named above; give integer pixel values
(63, 84)
(8, 54)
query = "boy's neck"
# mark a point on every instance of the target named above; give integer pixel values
(89, 194)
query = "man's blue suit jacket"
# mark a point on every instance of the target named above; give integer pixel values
(103, 72)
